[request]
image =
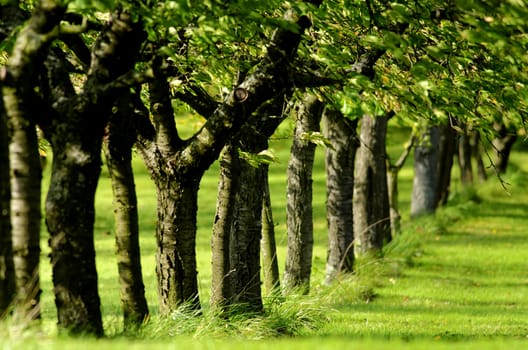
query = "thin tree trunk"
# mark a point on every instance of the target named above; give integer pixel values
(299, 208)
(423, 197)
(446, 154)
(392, 186)
(268, 246)
(464, 159)
(339, 159)
(118, 151)
(477, 149)
(7, 277)
(370, 200)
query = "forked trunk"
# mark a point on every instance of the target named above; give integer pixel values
(503, 144)
(299, 207)
(342, 134)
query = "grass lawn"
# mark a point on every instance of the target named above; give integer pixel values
(458, 280)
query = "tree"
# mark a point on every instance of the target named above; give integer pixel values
(119, 139)
(299, 204)
(239, 214)
(370, 199)
(7, 278)
(177, 166)
(339, 159)
(424, 192)
(74, 127)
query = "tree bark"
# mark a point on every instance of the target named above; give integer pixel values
(299, 207)
(268, 245)
(19, 79)
(464, 159)
(503, 144)
(339, 160)
(7, 270)
(392, 186)
(476, 150)
(446, 154)
(370, 198)
(237, 233)
(118, 151)
(424, 192)
(75, 133)
(239, 215)
(182, 163)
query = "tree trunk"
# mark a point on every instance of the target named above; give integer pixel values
(446, 154)
(75, 133)
(503, 144)
(339, 160)
(424, 192)
(239, 214)
(237, 233)
(70, 216)
(118, 151)
(464, 159)
(18, 89)
(7, 271)
(299, 208)
(477, 149)
(268, 246)
(370, 198)
(25, 205)
(392, 186)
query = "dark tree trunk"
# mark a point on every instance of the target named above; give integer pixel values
(477, 149)
(70, 218)
(392, 186)
(239, 214)
(423, 198)
(299, 207)
(370, 199)
(7, 277)
(237, 232)
(268, 245)
(339, 160)
(503, 144)
(75, 133)
(446, 154)
(464, 159)
(118, 151)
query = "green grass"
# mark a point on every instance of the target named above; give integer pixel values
(458, 279)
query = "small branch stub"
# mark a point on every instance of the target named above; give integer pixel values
(240, 95)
